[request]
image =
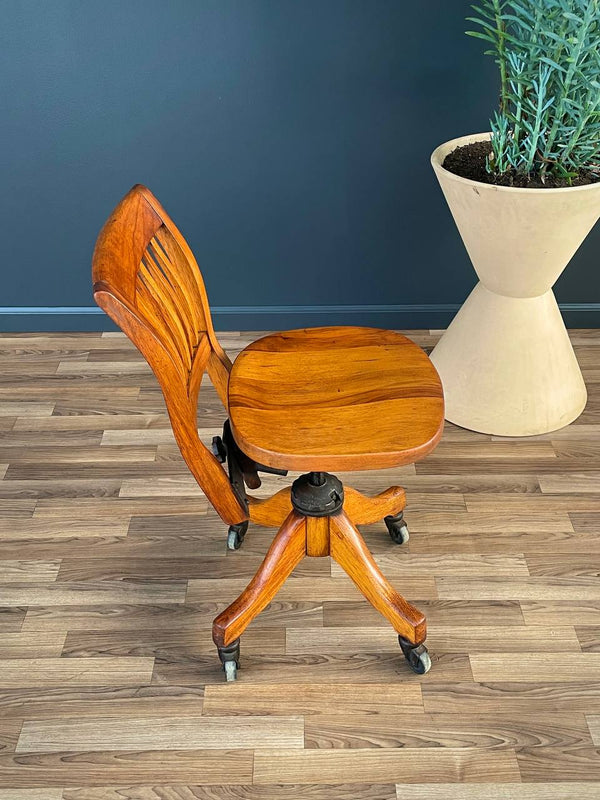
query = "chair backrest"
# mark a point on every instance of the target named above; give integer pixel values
(147, 280)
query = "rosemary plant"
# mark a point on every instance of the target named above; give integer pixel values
(548, 53)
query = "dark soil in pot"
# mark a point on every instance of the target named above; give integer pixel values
(470, 160)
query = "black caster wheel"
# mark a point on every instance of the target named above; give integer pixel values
(397, 528)
(230, 658)
(235, 535)
(416, 655)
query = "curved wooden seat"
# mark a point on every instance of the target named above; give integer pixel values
(339, 398)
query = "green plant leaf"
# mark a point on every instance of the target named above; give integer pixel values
(548, 54)
(478, 35)
(552, 63)
(572, 17)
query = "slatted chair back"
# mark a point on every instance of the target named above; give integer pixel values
(147, 280)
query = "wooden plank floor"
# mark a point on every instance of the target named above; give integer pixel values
(113, 565)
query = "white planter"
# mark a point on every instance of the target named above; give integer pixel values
(506, 361)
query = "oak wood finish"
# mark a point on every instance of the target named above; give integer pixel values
(361, 509)
(327, 399)
(318, 651)
(315, 399)
(317, 537)
(147, 280)
(284, 555)
(351, 553)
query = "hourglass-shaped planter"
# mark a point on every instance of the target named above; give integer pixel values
(506, 362)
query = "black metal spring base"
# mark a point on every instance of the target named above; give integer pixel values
(317, 494)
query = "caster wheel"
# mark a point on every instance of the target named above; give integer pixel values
(230, 658)
(235, 536)
(397, 529)
(234, 540)
(417, 656)
(231, 669)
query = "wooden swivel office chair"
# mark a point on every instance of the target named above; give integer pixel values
(314, 400)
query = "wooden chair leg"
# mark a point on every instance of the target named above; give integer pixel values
(287, 550)
(347, 547)
(364, 510)
(270, 511)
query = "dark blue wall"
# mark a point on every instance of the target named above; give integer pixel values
(289, 139)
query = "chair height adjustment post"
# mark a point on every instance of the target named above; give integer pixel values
(317, 494)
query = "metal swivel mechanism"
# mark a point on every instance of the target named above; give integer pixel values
(243, 471)
(317, 494)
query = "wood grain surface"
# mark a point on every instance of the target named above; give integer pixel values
(330, 399)
(113, 566)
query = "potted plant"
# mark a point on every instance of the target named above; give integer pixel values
(523, 197)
